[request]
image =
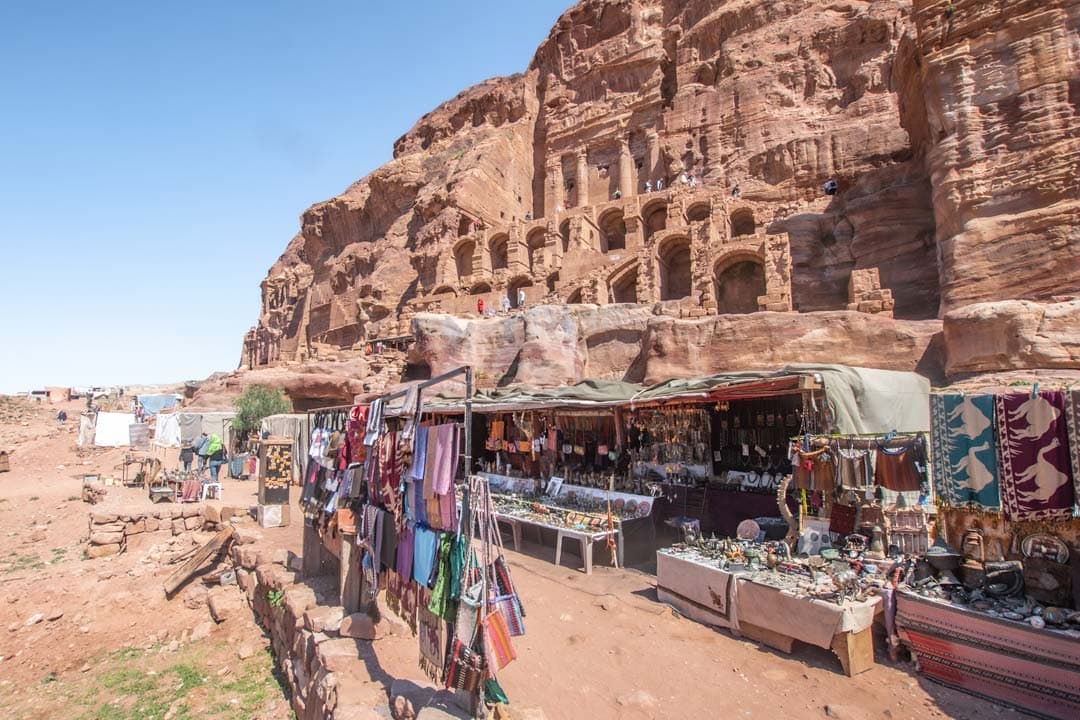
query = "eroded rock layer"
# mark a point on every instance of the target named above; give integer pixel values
(675, 152)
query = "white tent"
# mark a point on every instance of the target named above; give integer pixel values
(113, 429)
(167, 432)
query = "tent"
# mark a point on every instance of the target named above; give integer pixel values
(297, 427)
(153, 404)
(167, 432)
(113, 429)
(192, 424)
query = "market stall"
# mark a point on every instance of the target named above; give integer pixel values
(992, 607)
(852, 493)
(389, 498)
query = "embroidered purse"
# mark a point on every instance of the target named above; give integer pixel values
(497, 643)
(510, 608)
(466, 668)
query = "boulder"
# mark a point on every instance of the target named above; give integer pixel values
(96, 551)
(1012, 335)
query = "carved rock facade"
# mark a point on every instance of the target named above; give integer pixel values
(672, 154)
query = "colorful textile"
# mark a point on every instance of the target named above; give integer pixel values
(1033, 457)
(1072, 423)
(440, 596)
(425, 550)
(409, 601)
(430, 464)
(432, 643)
(895, 469)
(446, 458)
(448, 510)
(965, 450)
(416, 472)
(390, 538)
(405, 548)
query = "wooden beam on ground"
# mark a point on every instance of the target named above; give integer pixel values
(185, 571)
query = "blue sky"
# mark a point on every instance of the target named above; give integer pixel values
(155, 159)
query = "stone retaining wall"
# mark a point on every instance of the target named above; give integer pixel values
(109, 531)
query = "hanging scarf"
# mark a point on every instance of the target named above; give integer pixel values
(440, 596)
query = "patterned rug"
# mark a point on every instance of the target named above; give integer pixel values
(1033, 456)
(965, 450)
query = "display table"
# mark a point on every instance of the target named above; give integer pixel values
(777, 618)
(1036, 670)
(585, 537)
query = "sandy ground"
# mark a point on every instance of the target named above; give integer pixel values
(597, 647)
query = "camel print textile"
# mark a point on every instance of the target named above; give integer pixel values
(965, 450)
(1072, 418)
(1033, 456)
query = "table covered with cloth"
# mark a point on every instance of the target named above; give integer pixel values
(807, 619)
(735, 600)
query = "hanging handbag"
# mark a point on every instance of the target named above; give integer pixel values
(511, 610)
(466, 668)
(497, 644)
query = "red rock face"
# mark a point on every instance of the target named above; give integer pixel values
(950, 129)
(1002, 92)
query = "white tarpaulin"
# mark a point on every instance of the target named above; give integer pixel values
(167, 432)
(86, 430)
(113, 429)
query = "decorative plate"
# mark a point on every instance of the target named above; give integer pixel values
(643, 508)
(631, 506)
(748, 530)
(619, 504)
(1043, 545)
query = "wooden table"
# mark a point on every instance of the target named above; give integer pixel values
(585, 537)
(767, 614)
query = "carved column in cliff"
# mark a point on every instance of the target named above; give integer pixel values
(627, 186)
(517, 254)
(635, 231)
(481, 261)
(652, 156)
(554, 242)
(776, 255)
(577, 233)
(553, 198)
(700, 275)
(582, 178)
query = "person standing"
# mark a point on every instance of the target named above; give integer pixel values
(506, 303)
(199, 446)
(480, 306)
(215, 452)
(521, 298)
(187, 454)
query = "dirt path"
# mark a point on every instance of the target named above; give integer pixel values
(597, 647)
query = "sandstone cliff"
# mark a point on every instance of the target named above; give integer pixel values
(950, 128)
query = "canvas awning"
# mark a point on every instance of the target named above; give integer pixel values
(860, 400)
